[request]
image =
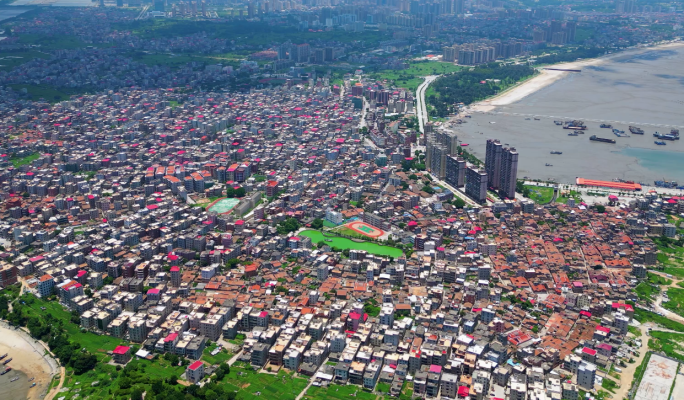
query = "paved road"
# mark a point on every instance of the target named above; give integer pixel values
(456, 192)
(421, 108)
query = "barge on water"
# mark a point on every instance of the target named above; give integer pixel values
(635, 130)
(600, 139)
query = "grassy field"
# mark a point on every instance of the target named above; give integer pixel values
(646, 291)
(644, 316)
(96, 344)
(49, 42)
(672, 344)
(337, 392)
(406, 391)
(174, 61)
(18, 162)
(45, 92)
(540, 194)
(609, 384)
(658, 280)
(676, 303)
(344, 243)
(634, 331)
(411, 78)
(271, 387)
(11, 60)
(221, 357)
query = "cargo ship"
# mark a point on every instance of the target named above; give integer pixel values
(635, 130)
(606, 126)
(600, 139)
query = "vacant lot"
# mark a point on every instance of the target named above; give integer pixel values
(338, 392)
(253, 385)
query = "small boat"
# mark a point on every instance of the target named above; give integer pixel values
(8, 369)
(573, 134)
(556, 152)
(537, 119)
(527, 119)
(549, 165)
(606, 126)
(579, 132)
(3, 356)
(14, 379)
(6, 361)
(31, 380)
(33, 384)
(660, 143)
(464, 144)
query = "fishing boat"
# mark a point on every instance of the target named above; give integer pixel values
(549, 165)
(556, 152)
(660, 143)
(573, 134)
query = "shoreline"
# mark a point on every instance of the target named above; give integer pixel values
(30, 359)
(547, 77)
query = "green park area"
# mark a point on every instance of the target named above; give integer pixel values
(565, 196)
(344, 243)
(412, 77)
(540, 194)
(19, 161)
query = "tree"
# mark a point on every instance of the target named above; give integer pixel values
(287, 226)
(459, 202)
(240, 192)
(317, 223)
(220, 374)
(428, 189)
(137, 393)
(88, 292)
(600, 208)
(83, 362)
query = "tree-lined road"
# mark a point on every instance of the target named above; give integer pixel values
(421, 107)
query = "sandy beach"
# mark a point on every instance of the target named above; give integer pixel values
(547, 77)
(28, 361)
